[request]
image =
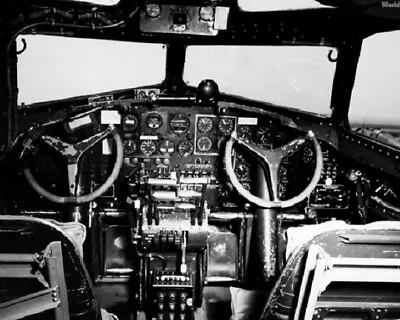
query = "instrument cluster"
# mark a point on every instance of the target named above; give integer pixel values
(189, 141)
(168, 141)
(190, 138)
(175, 135)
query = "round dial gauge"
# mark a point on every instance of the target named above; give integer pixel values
(263, 135)
(153, 10)
(226, 126)
(185, 148)
(130, 123)
(179, 123)
(206, 13)
(129, 147)
(154, 120)
(205, 124)
(242, 171)
(244, 132)
(148, 147)
(246, 185)
(166, 147)
(308, 154)
(142, 95)
(204, 144)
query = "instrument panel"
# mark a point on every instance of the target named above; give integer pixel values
(167, 141)
(176, 154)
(164, 134)
(187, 132)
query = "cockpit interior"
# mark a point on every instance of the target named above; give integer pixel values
(239, 163)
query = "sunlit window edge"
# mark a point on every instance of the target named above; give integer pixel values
(99, 2)
(278, 5)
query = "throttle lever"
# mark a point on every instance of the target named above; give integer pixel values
(183, 268)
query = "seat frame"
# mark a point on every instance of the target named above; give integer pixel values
(22, 266)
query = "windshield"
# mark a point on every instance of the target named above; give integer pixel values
(54, 68)
(374, 108)
(375, 98)
(299, 77)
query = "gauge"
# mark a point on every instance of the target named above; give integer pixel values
(142, 95)
(246, 185)
(154, 120)
(226, 126)
(308, 154)
(130, 123)
(185, 148)
(207, 13)
(204, 144)
(179, 123)
(153, 10)
(264, 135)
(242, 171)
(244, 132)
(166, 147)
(148, 147)
(129, 147)
(205, 124)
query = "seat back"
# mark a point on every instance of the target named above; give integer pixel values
(350, 273)
(40, 261)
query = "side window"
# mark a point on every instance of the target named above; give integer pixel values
(375, 103)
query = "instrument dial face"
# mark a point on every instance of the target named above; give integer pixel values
(246, 185)
(148, 147)
(242, 171)
(185, 148)
(206, 13)
(166, 147)
(142, 95)
(130, 123)
(244, 132)
(264, 135)
(179, 123)
(226, 126)
(205, 124)
(154, 120)
(153, 10)
(308, 154)
(129, 147)
(204, 144)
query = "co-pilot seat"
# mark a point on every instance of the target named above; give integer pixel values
(339, 271)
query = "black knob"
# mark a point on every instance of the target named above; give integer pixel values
(207, 92)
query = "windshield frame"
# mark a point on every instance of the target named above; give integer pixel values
(244, 28)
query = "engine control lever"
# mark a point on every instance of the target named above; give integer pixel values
(183, 268)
